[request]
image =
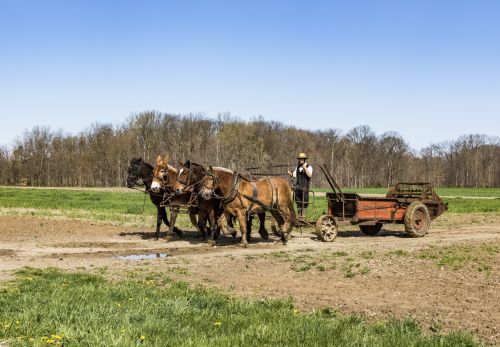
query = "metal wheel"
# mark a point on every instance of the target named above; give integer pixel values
(326, 228)
(417, 219)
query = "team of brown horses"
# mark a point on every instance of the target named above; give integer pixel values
(218, 196)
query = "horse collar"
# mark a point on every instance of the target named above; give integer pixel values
(233, 192)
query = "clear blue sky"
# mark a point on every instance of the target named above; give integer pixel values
(427, 69)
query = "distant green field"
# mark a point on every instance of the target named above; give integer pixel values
(132, 208)
(130, 203)
(465, 192)
(48, 307)
(318, 206)
(114, 207)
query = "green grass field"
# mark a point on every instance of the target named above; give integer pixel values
(454, 192)
(131, 208)
(48, 307)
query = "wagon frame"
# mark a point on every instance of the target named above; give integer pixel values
(414, 204)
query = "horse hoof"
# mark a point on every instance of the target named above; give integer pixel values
(264, 235)
(178, 232)
(244, 245)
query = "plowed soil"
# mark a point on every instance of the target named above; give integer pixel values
(385, 276)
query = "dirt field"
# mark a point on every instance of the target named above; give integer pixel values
(448, 280)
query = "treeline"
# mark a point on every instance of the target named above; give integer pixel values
(100, 155)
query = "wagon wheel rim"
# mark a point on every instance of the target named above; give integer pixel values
(419, 220)
(328, 229)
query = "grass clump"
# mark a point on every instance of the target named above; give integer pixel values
(86, 310)
(399, 253)
(462, 256)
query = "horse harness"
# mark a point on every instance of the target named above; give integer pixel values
(235, 193)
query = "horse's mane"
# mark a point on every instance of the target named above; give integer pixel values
(193, 163)
(171, 168)
(245, 175)
(223, 169)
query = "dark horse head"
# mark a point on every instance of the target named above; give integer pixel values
(139, 172)
(189, 178)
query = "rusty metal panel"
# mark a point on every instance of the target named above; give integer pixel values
(379, 210)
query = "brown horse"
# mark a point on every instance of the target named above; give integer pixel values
(189, 180)
(242, 197)
(164, 177)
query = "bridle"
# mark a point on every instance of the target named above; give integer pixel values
(139, 180)
(136, 180)
(187, 182)
(231, 195)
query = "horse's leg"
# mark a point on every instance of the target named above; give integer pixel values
(249, 227)
(289, 220)
(225, 223)
(212, 220)
(286, 221)
(159, 216)
(202, 224)
(222, 224)
(167, 223)
(230, 222)
(281, 222)
(173, 217)
(193, 217)
(164, 216)
(274, 228)
(242, 219)
(262, 227)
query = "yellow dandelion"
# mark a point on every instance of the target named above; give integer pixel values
(217, 323)
(142, 337)
(295, 311)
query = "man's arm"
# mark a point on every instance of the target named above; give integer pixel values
(308, 169)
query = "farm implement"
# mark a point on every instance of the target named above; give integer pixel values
(414, 204)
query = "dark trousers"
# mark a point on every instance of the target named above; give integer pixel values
(301, 198)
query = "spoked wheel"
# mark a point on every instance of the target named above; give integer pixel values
(326, 228)
(370, 229)
(417, 220)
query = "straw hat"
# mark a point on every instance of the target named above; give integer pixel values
(302, 155)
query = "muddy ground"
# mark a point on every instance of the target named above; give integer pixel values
(389, 275)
